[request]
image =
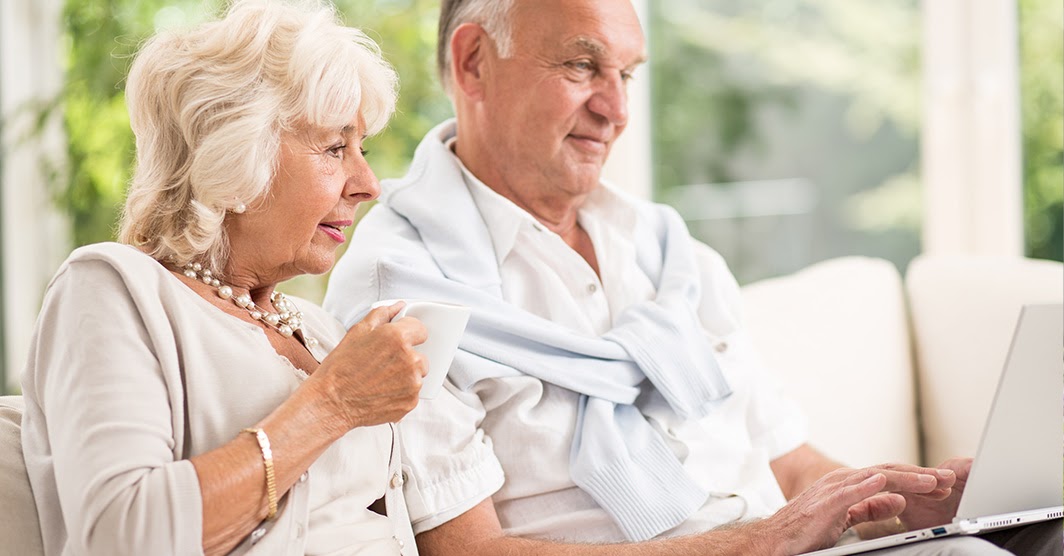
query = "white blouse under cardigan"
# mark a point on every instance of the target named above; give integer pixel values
(131, 373)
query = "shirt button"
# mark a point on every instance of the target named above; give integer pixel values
(397, 480)
(537, 227)
(303, 477)
(592, 288)
(257, 535)
(721, 347)
(399, 542)
(299, 530)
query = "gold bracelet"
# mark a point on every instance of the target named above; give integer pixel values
(267, 460)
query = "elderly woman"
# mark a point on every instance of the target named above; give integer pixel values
(176, 402)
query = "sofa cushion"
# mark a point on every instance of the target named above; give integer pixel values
(836, 334)
(964, 310)
(19, 529)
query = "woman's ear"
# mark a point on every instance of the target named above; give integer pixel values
(470, 47)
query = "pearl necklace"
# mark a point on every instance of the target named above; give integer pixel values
(286, 321)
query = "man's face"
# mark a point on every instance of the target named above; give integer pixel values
(553, 109)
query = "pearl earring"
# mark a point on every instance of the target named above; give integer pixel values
(240, 208)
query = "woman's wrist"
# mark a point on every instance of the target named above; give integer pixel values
(330, 411)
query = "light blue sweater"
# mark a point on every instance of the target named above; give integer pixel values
(436, 246)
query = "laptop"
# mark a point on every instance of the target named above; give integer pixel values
(1017, 476)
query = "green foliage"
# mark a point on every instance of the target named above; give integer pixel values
(720, 65)
(700, 126)
(406, 31)
(1042, 98)
(704, 117)
(100, 145)
(101, 37)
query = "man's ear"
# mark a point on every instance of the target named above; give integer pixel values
(470, 48)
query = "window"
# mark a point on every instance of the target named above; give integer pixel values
(786, 131)
(789, 131)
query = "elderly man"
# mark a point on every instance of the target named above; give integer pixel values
(605, 391)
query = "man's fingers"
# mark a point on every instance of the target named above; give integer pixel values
(905, 481)
(960, 466)
(914, 478)
(858, 487)
(881, 506)
(936, 495)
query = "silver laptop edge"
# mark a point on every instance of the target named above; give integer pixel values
(1037, 337)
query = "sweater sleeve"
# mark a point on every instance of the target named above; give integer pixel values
(106, 406)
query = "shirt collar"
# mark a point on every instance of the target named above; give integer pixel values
(503, 218)
(606, 205)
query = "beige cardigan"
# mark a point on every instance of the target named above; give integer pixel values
(131, 373)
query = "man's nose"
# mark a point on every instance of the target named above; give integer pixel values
(610, 100)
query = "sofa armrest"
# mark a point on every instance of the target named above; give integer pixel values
(20, 532)
(836, 335)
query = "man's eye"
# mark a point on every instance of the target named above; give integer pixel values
(364, 152)
(581, 65)
(627, 76)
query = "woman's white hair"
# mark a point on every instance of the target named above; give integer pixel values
(492, 15)
(208, 106)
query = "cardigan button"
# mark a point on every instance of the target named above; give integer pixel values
(721, 347)
(397, 480)
(303, 477)
(399, 542)
(257, 535)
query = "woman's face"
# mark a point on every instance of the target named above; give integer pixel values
(295, 229)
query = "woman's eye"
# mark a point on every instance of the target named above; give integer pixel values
(337, 151)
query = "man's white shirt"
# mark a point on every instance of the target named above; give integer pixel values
(510, 438)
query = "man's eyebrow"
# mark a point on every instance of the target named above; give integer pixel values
(589, 45)
(595, 47)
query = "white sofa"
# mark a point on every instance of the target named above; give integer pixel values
(886, 371)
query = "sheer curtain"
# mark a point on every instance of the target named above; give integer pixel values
(970, 149)
(33, 238)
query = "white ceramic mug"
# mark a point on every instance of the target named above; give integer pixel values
(445, 323)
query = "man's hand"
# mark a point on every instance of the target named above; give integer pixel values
(843, 498)
(923, 507)
(940, 505)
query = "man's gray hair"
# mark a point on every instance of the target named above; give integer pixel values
(492, 15)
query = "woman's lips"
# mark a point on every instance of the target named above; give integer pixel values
(333, 231)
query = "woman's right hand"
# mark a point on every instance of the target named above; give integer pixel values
(373, 376)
